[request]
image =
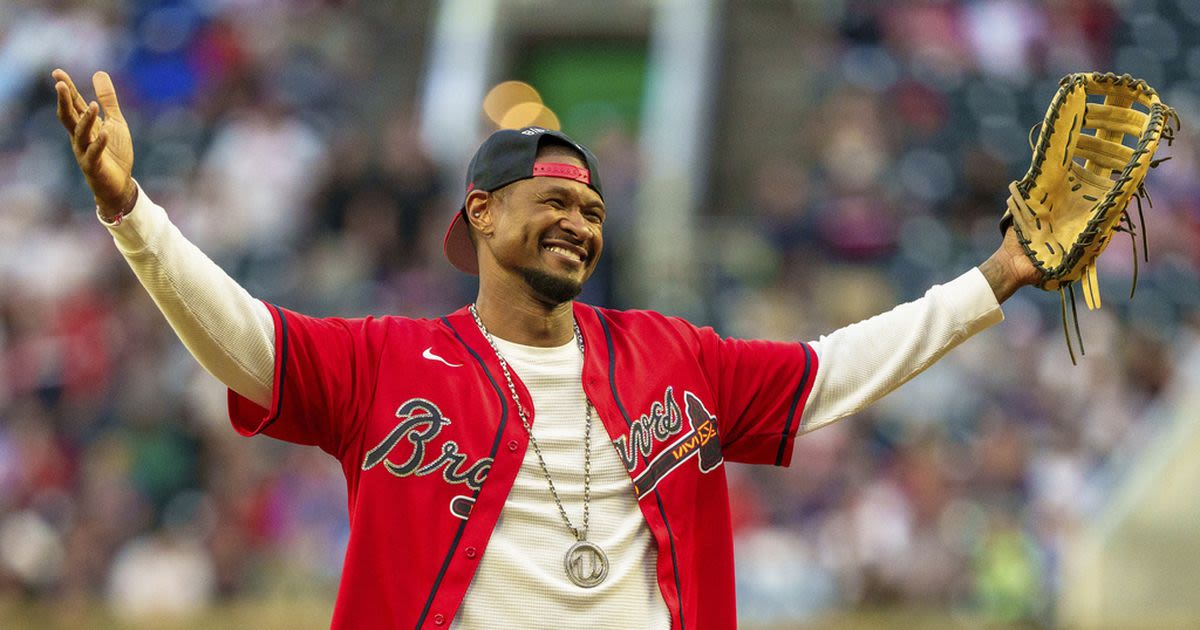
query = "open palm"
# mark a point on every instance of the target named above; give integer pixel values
(102, 145)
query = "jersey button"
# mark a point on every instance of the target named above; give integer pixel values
(439, 619)
(512, 445)
(471, 553)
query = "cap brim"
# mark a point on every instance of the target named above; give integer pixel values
(458, 248)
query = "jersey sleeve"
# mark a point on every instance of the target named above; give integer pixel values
(324, 381)
(761, 388)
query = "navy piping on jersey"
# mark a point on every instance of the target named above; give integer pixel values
(612, 381)
(787, 427)
(437, 583)
(674, 560)
(283, 357)
(612, 378)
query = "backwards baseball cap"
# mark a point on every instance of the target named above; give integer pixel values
(507, 156)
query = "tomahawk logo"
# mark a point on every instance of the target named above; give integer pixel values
(701, 441)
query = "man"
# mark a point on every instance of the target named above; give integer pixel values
(464, 511)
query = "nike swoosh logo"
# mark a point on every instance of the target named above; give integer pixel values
(428, 354)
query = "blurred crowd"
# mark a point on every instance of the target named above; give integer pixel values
(121, 480)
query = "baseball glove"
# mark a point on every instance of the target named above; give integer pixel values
(1095, 147)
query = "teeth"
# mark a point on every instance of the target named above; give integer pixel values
(565, 252)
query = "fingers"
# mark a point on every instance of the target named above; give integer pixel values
(66, 111)
(84, 128)
(75, 98)
(70, 103)
(107, 95)
(91, 157)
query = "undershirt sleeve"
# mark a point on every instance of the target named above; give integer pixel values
(230, 333)
(863, 361)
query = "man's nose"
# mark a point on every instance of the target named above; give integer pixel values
(574, 222)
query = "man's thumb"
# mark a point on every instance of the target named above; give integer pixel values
(106, 94)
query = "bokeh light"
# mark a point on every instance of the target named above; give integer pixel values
(516, 104)
(529, 114)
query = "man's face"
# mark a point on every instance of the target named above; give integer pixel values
(549, 230)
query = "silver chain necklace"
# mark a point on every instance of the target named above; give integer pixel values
(585, 562)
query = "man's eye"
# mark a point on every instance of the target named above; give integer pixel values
(595, 217)
(555, 203)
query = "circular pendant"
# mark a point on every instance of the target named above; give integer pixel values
(586, 564)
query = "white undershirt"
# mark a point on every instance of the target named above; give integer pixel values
(525, 553)
(231, 335)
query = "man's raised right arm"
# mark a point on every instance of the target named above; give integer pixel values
(229, 332)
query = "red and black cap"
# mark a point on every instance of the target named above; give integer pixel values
(507, 156)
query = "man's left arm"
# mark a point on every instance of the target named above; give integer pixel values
(862, 362)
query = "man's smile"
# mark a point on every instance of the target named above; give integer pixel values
(572, 253)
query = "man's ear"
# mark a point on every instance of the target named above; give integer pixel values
(480, 206)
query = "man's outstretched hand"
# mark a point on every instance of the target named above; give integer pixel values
(102, 144)
(1009, 269)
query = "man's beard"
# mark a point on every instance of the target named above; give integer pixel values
(550, 288)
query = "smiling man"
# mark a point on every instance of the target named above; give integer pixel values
(527, 461)
(531, 228)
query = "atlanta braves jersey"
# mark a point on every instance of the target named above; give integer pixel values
(430, 449)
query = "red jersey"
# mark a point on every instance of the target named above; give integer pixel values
(419, 415)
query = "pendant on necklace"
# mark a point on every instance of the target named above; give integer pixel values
(586, 564)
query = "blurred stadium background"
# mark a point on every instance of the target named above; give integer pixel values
(775, 169)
